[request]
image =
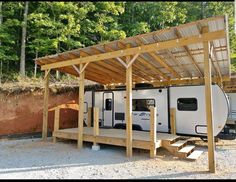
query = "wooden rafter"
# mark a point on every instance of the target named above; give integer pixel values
(112, 64)
(188, 53)
(170, 54)
(92, 70)
(135, 67)
(147, 63)
(187, 81)
(199, 28)
(215, 59)
(158, 59)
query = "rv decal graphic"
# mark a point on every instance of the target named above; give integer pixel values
(144, 114)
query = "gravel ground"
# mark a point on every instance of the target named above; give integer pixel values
(34, 159)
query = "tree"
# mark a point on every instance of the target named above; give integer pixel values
(23, 40)
(0, 41)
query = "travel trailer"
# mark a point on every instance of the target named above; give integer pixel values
(189, 102)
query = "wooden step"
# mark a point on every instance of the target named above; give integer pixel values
(187, 149)
(179, 143)
(195, 155)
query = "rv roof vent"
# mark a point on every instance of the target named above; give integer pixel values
(141, 85)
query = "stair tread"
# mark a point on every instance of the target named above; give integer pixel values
(195, 154)
(178, 143)
(186, 149)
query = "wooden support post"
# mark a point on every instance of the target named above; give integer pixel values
(45, 105)
(81, 109)
(89, 117)
(153, 132)
(128, 111)
(96, 124)
(172, 121)
(208, 100)
(56, 122)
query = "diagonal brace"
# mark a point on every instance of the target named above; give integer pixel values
(130, 63)
(47, 72)
(78, 70)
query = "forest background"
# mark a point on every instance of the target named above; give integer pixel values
(33, 29)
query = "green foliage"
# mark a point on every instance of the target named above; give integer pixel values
(233, 62)
(54, 27)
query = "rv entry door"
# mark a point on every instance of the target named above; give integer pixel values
(108, 109)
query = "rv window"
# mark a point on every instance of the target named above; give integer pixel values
(187, 104)
(143, 104)
(108, 104)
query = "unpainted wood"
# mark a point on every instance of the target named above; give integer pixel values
(153, 136)
(173, 120)
(208, 100)
(128, 109)
(95, 124)
(45, 105)
(81, 109)
(56, 122)
(65, 106)
(89, 117)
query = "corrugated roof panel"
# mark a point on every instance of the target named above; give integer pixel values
(199, 58)
(188, 31)
(173, 60)
(195, 46)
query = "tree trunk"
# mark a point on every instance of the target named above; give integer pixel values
(0, 41)
(202, 10)
(35, 65)
(23, 40)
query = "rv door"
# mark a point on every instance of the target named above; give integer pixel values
(108, 109)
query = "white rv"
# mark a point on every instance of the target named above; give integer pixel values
(189, 102)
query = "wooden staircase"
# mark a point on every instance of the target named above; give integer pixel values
(181, 149)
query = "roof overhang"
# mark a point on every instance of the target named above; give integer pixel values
(173, 55)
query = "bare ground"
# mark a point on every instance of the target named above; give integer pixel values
(34, 159)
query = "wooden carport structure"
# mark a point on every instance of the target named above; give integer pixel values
(193, 53)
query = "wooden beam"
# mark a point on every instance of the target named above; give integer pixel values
(110, 66)
(159, 59)
(46, 73)
(208, 100)
(128, 110)
(147, 63)
(189, 81)
(56, 122)
(153, 132)
(217, 63)
(163, 63)
(173, 121)
(66, 106)
(147, 70)
(80, 70)
(188, 53)
(95, 124)
(90, 76)
(135, 68)
(126, 65)
(89, 117)
(170, 54)
(81, 109)
(45, 105)
(182, 66)
(141, 49)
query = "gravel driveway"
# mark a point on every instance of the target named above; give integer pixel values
(34, 159)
